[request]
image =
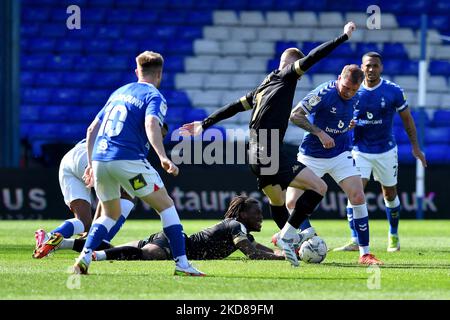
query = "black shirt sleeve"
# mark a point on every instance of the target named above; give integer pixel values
(238, 232)
(243, 104)
(318, 53)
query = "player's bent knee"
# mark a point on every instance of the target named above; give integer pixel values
(357, 198)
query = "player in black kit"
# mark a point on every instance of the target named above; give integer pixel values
(217, 242)
(271, 104)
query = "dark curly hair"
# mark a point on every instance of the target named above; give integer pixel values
(239, 204)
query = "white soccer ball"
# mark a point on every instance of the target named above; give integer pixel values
(313, 250)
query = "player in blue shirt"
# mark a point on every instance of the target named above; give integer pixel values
(122, 130)
(326, 146)
(375, 149)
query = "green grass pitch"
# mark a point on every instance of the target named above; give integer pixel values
(421, 270)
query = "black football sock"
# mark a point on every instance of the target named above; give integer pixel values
(78, 245)
(280, 215)
(124, 253)
(304, 207)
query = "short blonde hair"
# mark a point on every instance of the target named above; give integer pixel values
(353, 72)
(149, 62)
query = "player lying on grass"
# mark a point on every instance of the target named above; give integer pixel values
(217, 242)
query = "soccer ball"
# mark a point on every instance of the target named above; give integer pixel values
(313, 250)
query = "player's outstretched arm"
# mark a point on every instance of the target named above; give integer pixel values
(254, 253)
(410, 128)
(195, 128)
(154, 135)
(324, 49)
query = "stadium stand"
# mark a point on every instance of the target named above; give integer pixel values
(214, 51)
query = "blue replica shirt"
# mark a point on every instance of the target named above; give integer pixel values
(328, 111)
(122, 132)
(375, 114)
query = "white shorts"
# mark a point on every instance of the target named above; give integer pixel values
(384, 166)
(71, 172)
(137, 177)
(339, 167)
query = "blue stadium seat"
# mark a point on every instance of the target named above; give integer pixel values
(207, 4)
(260, 4)
(409, 67)
(44, 130)
(404, 154)
(58, 113)
(94, 15)
(332, 65)
(234, 5)
(396, 7)
(194, 114)
(441, 118)
(174, 63)
(138, 32)
(176, 98)
(29, 30)
(125, 47)
(119, 63)
(29, 113)
(177, 17)
(108, 80)
(165, 32)
(288, 5)
(128, 4)
(118, 16)
(314, 5)
(60, 62)
(73, 132)
(175, 114)
(101, 3)
(400, 135)
(272, 64)
(181, 4)
(180, 47)
(69, 45)
(394, 50)
(155, 5)
(153, 45)
(35, 14)
(41, 45)
(416, 114)
(437, 153)
(416, 7)
(52, 30)
(439, 22)
(393, 66)
(66, 96)
(86, 32)
(190, 33)
(438, 67)
(95, 97)
(36, 96)
(109, 31)
(307, 46)
(168, 82)
(409, 21)
(27, 78)
(440, 6)
(344, 51)
(51, 79)
(199, 18)
(363, 48)
(34, 61)
(146, 17)
(97, 46)
(437, 135)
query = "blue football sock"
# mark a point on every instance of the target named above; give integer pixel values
(176, 240)
(353, 233)
(362, 230)
(305, 225)
(98, 232)
(393, 215)
(70, 227)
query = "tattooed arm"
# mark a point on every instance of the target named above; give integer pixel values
(299, 118)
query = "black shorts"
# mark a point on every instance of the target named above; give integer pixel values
(287, 171)
(159, 239)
